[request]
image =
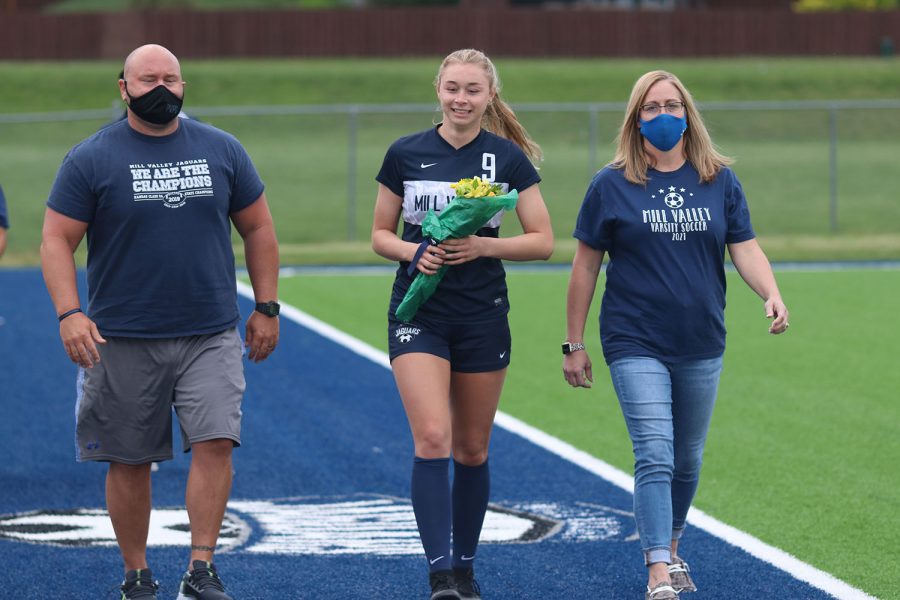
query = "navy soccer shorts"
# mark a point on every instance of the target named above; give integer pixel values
(469, 347)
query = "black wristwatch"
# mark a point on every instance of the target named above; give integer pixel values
(570, 347)
(270, 309)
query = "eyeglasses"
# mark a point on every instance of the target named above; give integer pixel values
(671, 107)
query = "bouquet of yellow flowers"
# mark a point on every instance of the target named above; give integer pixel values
(476, 187)
(476, 201)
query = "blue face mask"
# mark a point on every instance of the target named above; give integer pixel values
(664, 131)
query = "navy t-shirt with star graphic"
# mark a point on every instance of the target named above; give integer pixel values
(420, 168)
(160, 261)
(665, 281)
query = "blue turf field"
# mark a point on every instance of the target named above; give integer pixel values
(319, 506)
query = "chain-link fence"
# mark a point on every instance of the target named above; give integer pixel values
(807, 167)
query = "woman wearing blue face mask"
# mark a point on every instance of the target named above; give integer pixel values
(664, 210)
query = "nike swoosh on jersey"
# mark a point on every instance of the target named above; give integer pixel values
(424, 166)
(437, 559)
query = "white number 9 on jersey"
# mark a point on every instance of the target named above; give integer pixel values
(488, 162)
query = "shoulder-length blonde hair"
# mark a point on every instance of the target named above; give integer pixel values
(499, 118)
(698, 146)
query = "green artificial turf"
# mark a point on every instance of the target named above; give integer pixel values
(803, 447)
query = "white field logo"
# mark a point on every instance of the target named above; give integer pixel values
(373, 525)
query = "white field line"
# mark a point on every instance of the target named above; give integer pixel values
(756, 547)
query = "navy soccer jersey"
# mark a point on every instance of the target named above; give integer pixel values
(420, 168)
(4, 217)
(160, 261)
(665, 282)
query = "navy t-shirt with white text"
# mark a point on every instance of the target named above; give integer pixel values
(4, 218)
(160, 261)
(665, 281)
(420, 168)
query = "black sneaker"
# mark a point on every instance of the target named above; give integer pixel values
(442, 586)
(202, 583)
(466, 586)
(139, 584)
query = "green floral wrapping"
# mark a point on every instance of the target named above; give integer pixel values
(462, 217)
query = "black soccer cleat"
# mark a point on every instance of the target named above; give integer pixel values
(466, 586)
(443, 586)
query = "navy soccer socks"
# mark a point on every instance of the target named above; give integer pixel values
(431, 504)
(471, 490)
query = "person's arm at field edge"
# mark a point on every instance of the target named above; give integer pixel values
(60, 238)
(255, 226)
(2, 240)
(754, 268)
(582, 283)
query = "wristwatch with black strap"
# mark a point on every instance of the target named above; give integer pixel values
(570, 347)
(270, 308)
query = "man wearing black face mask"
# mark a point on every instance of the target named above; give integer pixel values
(124, 115)
(159, 194)
(158, 106)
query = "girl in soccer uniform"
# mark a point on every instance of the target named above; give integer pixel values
(665, 210)
(450, 361)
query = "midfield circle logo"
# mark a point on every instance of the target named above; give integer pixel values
(360, 524)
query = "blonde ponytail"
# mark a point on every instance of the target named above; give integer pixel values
(499, 118)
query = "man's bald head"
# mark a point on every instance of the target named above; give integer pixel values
(152, 69)
(153, 57)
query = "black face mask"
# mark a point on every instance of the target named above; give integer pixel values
(158, 106)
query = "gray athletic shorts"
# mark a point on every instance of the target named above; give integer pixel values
(124, 407)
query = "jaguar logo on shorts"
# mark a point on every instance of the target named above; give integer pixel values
(405, 335)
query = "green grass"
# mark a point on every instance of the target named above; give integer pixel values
(803, 447)
(43, 86)
(782, 155)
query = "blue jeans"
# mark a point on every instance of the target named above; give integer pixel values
(667, 409)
